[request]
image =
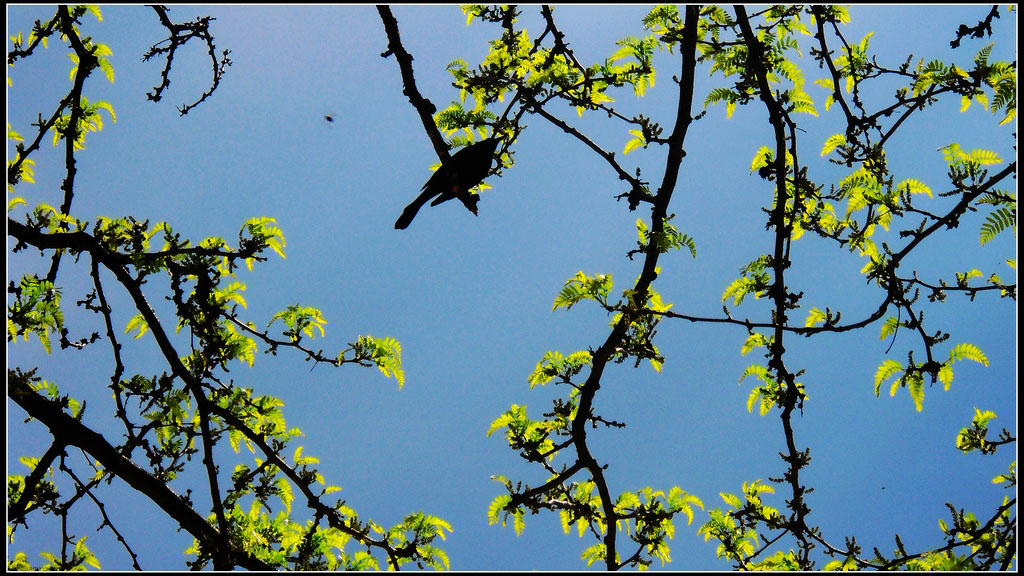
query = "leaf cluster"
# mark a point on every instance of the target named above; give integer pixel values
(869, 211)
(179, 420)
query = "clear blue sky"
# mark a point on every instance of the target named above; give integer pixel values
(470, 298)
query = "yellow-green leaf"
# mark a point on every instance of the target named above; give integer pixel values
(914, 187)
(137, 323)
(915, 385)
(814, 317)
(968, 352)
(884, 372)
(834, 141)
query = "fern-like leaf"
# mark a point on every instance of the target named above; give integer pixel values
(996, 222)
(968, 352)
(884, 372)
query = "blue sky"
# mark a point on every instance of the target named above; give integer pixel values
(469, 298)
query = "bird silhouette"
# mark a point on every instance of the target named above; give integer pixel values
(466, 169)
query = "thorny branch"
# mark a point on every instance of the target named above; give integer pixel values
(180, 35)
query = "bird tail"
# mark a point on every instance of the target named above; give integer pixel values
(428, 191)
(407, 215)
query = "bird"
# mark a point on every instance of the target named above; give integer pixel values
(468, 167)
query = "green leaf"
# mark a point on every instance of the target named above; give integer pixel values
(753, 398)
(265, 232)
(1010, 479)
(515, 414)
(915, 385)
(518, 522)
(762, 158)
(911, 186)
(496, 507)
(626, 501)
(815, 317)
(137, 323)
(83, 554)
(595, 553)
(583, 287)
(968, 352)
(985, 157)
(722, 95)
(554, 364)
(385, 353)
(638, 141)
(833, 142)
(737, 290)
(299, 321)
(754, 341)
(886, 371)
(999, 220)
(981, 419)
(732, 500)
(565, 518)
(890, 326)
(946, 375)
(35, 310)
(669, 238)
(759, 371)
